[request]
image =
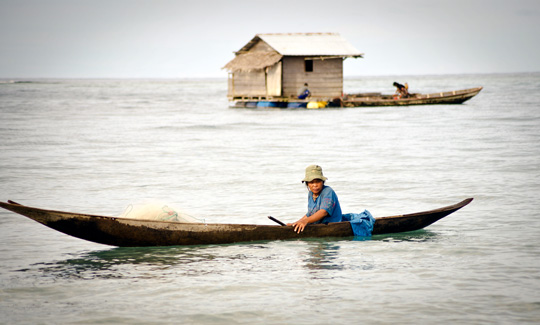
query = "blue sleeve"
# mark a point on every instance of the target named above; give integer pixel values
(328, 200)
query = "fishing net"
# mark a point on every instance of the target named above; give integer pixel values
(154, 210)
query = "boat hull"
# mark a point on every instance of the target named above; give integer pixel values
(134, 232)
(449, 97)
(368, 100)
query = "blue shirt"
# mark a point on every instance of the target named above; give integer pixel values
(328, 201)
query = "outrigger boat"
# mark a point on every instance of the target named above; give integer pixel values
(135, 232)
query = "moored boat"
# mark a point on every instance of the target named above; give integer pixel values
(135, 232)
(364, 100)
(448, 97)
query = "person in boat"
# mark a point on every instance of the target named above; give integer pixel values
(323, 203)
(401, 90)
(304, 92)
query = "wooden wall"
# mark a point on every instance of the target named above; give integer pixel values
(273, 80)
(261, 47)
(326, 79)
(248, 83)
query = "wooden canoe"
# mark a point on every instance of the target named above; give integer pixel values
(364, 100)
(134, 232)
(447, 97)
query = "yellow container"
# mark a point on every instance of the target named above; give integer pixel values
(315, 105)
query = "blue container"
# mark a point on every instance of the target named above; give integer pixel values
(269, 104)
(297, 105)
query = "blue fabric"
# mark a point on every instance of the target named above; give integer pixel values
(361, 223)
(304, 94)
(328, 201)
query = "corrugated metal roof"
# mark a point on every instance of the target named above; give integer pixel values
(307, 44)
(292, 44)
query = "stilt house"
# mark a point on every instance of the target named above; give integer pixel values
(276, 66)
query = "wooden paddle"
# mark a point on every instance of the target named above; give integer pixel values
(276, 220)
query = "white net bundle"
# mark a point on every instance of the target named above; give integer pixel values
(154, 210)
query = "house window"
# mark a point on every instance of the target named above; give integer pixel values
(309, 65)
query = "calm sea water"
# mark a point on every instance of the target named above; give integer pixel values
(97, 146)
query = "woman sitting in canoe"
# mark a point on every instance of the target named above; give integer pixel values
(323, 203)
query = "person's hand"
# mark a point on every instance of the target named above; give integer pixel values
(299, 225)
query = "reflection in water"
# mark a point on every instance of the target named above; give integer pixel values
(145, 262)
(322, 255)
(412, 236)
(128, 262)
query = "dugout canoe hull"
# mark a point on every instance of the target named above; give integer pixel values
(447, 97)
(126, 232)
(363, 100)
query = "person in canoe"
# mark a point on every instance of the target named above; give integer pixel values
(401, 91)
(324, 207)
(323, 203)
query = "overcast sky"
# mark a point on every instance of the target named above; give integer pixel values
(185, 39)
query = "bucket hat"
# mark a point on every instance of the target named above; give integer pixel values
(314, 172)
